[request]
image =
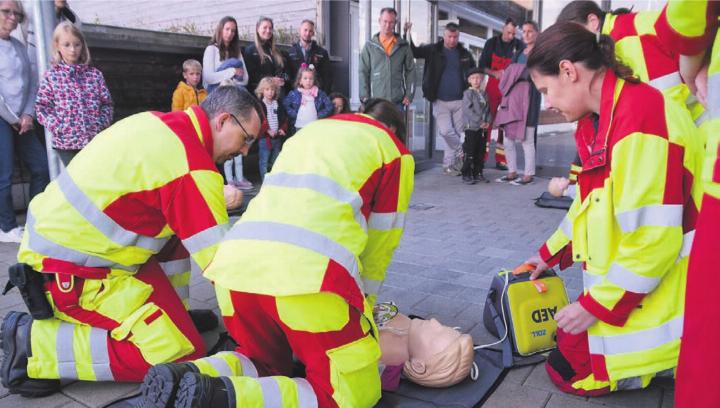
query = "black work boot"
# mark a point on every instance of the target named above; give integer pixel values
(15, 342)
(204, 319)
(161, 384)
(202, 391)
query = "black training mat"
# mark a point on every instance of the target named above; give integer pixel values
(547, 200)
(467, 394)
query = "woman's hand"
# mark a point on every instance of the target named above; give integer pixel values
(26, 123)
(233, 197)
(540, 266)
(574, 319)
(239, 72)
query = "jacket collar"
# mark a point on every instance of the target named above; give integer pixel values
(593, 146)
(399, 41)
(202, 127)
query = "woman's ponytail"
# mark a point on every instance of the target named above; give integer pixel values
(606, 45)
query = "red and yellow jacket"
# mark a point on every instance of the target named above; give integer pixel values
(138, 183)
(327, 221)
(631, 225)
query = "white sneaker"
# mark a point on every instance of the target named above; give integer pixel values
(14, 235)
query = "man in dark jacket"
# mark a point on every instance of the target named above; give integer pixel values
(308, 51)
(447, 62)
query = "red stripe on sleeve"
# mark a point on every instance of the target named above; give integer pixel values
(388, 189)
(199, 157)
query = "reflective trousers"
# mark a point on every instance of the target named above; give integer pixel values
(333, 340)
(116, 328)
(573, 372)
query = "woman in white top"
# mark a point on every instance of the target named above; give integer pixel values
(225, 44)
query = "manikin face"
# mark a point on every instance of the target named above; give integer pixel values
(475, 80)
(307, 32)
(229, 138)
(265, 30)
(508, 32)
(9, 18)
(228, 32)
(70, 47)
(269, 93)
(418, 340)
(307, 80)
(387, 23)
(450, 38)
(192, 77)
(563, 92)
(529, 34)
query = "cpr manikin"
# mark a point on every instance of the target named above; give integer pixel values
(429, 354)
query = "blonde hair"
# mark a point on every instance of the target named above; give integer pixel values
(265, 83)
(68, 27)
(190, 64)
(445, 368)
(273, 50)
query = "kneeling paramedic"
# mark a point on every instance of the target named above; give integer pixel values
(110, 240)
(314, 246)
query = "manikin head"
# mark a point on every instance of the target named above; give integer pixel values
(433, 355)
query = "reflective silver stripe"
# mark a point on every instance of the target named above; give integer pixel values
(248, 367)
(661, 215)
(372, 287)
(638, 341)
(175, 267)
(687, 244)
(305, 393)
(590, 280)
(95, 216)
(571, 191)
(301, 237)
(183, 292)
(666, 81)
(386, 221)
(220, 365)
(65, 352)
(320, 184)
(99, 353)
(567, 227)
(629, 280)
(205, 238)
(713, 96)
(272, 396)
(39, 244)
(701, 119)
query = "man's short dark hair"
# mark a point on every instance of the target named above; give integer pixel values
(509, 20)
(307, 21)
(452, 27)
(388, 114)
(234, 100)
(388, 10)
(534, 24)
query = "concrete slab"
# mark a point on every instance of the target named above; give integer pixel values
(98, 394)
(509, 394)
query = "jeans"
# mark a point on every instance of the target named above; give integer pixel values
(33, 154)
(66, 155)
(235, 163)
(268, 150)
(474, 149)
(448, 115)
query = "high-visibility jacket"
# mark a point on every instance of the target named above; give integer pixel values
(631, 224)
(690, 28)
(327, 218)
(638, 46)
(138, 183)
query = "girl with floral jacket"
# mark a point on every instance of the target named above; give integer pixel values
(73, 102)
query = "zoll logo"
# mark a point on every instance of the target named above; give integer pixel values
(543, 315)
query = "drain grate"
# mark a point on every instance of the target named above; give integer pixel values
(421, 206)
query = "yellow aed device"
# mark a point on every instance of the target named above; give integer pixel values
(522, 312)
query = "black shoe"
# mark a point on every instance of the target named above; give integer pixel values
(204, 319)
(479, 178)
(15, 338)
(202, 391)
(501, 166)
(468, 180)
(161, 384)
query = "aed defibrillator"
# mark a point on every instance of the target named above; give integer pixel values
(520, 311)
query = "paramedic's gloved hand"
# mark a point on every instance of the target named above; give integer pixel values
(233, 197)
(574, 319)
(540, 266)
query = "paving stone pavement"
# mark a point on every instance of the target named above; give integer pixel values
(456, 237)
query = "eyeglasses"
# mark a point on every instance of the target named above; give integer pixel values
(7, 13)
(248, 139)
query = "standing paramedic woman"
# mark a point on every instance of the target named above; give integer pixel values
(630, 222)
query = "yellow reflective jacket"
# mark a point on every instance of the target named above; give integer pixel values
(631, 225)
(139, 182)
(328, 217)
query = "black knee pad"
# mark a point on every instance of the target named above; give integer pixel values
(558, 362)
